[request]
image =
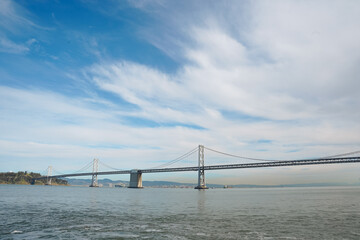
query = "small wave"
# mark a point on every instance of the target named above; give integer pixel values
(16, 232)
(201, 234)
(153, 230)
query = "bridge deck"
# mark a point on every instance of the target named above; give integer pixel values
(225, 166)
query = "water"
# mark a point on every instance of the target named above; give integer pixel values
(55, 212)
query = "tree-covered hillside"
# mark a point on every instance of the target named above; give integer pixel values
(26, 178)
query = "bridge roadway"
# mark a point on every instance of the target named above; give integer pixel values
(219, 167)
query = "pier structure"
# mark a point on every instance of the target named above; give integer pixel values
(135, 179)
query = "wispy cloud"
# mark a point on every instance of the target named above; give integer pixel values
(282, 70)
(15, 18)
(15, 25)
(264, 79)
(8, 46)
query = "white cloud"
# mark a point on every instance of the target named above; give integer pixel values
(40, 124)
(15, 22)
(8, 46)
(15, 18)
(288, 74)
(291, 66)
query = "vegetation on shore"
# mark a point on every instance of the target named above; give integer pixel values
(26, 178)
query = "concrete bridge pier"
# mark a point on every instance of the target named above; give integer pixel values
(135, 179)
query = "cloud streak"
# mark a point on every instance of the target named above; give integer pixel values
(10, 47)
(279, 80)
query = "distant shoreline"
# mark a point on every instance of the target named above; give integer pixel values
(26, 178)
(168, 184)
(210, 187)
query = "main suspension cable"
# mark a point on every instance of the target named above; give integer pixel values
(260, 159)
(236, 156)
(105, 165)
(84, 168)
(59, 173)
(177, 159)
(342, 155)
(44, 173)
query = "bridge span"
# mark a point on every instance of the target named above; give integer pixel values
(136, 174)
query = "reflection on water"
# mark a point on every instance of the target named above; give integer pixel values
(50, 212)
(201, 200)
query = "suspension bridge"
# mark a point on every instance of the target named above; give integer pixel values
(136, 174)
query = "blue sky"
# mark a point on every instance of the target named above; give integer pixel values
(139, 83)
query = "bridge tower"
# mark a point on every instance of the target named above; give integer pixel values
(201, 171)
(94, 180)
(48, 176)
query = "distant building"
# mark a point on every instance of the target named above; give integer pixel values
(121, 185)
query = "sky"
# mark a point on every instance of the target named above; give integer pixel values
(137, 84)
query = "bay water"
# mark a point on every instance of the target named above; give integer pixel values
(62, 212)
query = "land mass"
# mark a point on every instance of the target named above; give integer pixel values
(164, 184)
(25, 178)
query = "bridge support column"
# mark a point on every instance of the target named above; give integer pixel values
(94, 179)
(135, 179)
(48, 178)
(201, 171)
